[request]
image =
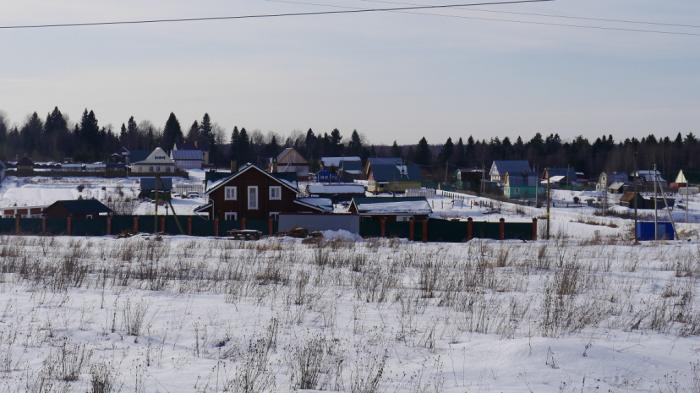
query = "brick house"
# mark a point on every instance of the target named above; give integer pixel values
(252, 193)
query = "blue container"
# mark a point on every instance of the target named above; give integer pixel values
(645, 231)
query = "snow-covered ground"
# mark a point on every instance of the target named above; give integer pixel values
(213, 315)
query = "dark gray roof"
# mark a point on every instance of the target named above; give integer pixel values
(568, 172)
(512, 166)
(82, 206)
(188, 155)
(351, 165)
(395, 172)
(138, 155)
(163, 184)
(385, 161)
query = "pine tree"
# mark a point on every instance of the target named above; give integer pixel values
(193, 134)
(235, 143)
(422, 154)
(335, 146)
(172, 133)
(56, 134)
(31, 134)
(355, 145)
(446, 152)
(244, 152)
(460, 157)
(396, 150)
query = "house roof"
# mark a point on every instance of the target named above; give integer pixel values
(194, 155)
(563, 172)
(157, 157)
(353, 167)
(391, 205)
(290, 156)
(82, 206)
(616, 185)
(137, 155)
(680, 179)
(512, 166)
(336, 188)
(323, 205)
(160, 184)
(337, 161)
(2, 165)
(395, 172)
(246, 168)
(648, 175)
(385, 161)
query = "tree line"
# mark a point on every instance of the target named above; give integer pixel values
(53, 138)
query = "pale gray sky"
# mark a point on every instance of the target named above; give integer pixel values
(390, 76)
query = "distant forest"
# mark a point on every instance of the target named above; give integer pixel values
(52, 138)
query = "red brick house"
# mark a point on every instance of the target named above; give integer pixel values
(252, 193)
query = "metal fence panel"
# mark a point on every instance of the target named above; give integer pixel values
(398, 229)
(369, 227)
(202, 227)
(7, 225)
(486, 230)
(89, 227)
(447, 231)
(319, 222)
(122, 224)
(518, 230)
(31, 226)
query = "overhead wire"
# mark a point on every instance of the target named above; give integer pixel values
(261, 16)
(518, 21)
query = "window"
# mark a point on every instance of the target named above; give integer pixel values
(230, 216)
(231, 193)
(275, 193)
(403, 218)
(253, 197)
(275, 216)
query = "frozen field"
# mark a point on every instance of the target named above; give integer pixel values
(214, 315)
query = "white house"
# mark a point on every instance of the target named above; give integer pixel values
(156, 162)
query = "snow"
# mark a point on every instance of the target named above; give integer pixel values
(319, 188)
(43, 191)
(208, 306)
(341, 235)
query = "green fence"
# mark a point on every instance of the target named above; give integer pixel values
(7, 225)
(89, 227)
(369, 227)
(486, 230)
(398, 229)
(446, 231)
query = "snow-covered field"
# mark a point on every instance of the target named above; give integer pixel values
(213, 315)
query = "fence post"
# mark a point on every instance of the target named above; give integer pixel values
(109, 225)
(470, 228)
(425, 230)
(382, 227)
(243, 223)
(189, 226)
(162, 224)
(135, 225)
(69, 225)
(270, 226)
(501, 229)
(43, 225)
(534, 228)
(412, 229)
(17, 224)
(216, 226)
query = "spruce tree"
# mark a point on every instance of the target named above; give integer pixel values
(355, 145)
(422, 154)
(172, 133)
(396, 150)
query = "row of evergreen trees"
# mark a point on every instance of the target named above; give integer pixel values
(54, 139)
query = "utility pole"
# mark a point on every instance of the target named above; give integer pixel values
(155, 217)
(546, 174)
(635, 179)
(656, 210)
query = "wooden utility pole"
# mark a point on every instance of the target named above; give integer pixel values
(546, 174)
(635, 179)
(656, 210)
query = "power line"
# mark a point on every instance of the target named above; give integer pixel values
(546, 15)
(519, 21)
(260, 16)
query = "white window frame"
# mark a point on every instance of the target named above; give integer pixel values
(228, 215)
(403, 218)
(279, 193)
(227, 197)
(275, 216)
(251, 205)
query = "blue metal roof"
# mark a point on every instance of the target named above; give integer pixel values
(393, 172)
(149, 184)
(188, 155)
(512, 166)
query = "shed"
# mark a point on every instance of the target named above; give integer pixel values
(164, 186)
(393, 208)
